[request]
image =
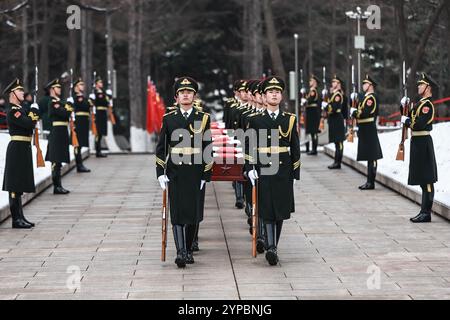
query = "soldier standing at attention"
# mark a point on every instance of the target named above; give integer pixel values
(187, 169)
(313, 114)
(82, 109)
(19, 176)
(58, 142)
(369, 148)
(336, 127)
(275, 179)
(422, 165)
(100, 100)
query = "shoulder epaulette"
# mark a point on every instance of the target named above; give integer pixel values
(171, 112)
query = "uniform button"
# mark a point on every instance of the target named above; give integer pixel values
(192, 136)
(279, 137)
(269, 137)
(281, 162)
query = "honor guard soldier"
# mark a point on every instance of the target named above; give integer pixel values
(275, 178)
(19, 176)
(313, 113)
(369, 148)
(82, 109)
(187, 169)
(336, 127)
(230, 103)
(422, 165)
(100, 100)
(58, 141)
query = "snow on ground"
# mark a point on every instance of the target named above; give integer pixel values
(398, 170)
(40, 174)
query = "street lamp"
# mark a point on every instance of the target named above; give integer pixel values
(359, 40)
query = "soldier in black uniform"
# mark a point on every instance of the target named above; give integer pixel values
(230, 103)
(369, 148)
(313, 113)
(82, 109)
(58, 142)
(101, 102)
(422, 165)
(184, 137)
(336, 127)
(19, 176)
(275, 163)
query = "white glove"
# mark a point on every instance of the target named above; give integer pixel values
(404, 119)
(34, 106)
(404, 101)
(303, 91)
(303, 101)
(109, 92)
(354, 96)
(253, 176)
(352, 111)
(92, 96)
(324, 105)
(202, 184)
(163, 180)
(70, 100)
(324, 92)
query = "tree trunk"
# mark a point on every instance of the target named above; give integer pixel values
(333, 37)
(246, 39)
(86, 49)
(25, 47)
(256, 58)
(109, 46)
(310, 40)
(275, 54)
(402, 30)
(49, 13)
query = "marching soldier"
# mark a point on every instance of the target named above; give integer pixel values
(422, 165)
(369, 148)
(313, 113)
(275, 179)
(187, 169)
(82, 108)
(19, 176)
(336, 127)
(231, 103)
(58, 142)
(100, 100)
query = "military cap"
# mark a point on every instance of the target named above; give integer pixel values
(369, 80)
(78, 81)
(185, 83)
(236, 85)
(13, 86)
(313, 77)
(242, 85)
(98, 79)
(338, 79)
(273, 82)
(426, 79)
(253, 86)
(53, 84)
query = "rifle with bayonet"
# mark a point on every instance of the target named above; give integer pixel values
(405, 111)
(93, 124)
(39, 157)
(164, 211)
(324, 98)
(112, 118)
(351, 129)
(75, 142)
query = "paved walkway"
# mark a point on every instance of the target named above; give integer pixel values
(341, 243)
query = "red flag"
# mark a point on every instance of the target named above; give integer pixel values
(149, 107)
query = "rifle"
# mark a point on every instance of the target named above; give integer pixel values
(39, 157)
(351, 131)
(254, 219)
(93, 125)
(302, 84)
(324, 98)
(401, 147)
(110, 108)
(75, 142)
(164, 215)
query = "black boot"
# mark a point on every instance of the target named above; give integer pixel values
(79, 160)
(337, 158)
(307, 146)
(427, 204)
(239, 192)
(14, 206)
(195, 246)
(371, 175)
(261, 241)
(98, 147)
(56, 177)
(21, 212)
(271, 236)
(315, 142)
(180, 243)
(190, 236)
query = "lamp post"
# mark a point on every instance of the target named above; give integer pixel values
(359, 40)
